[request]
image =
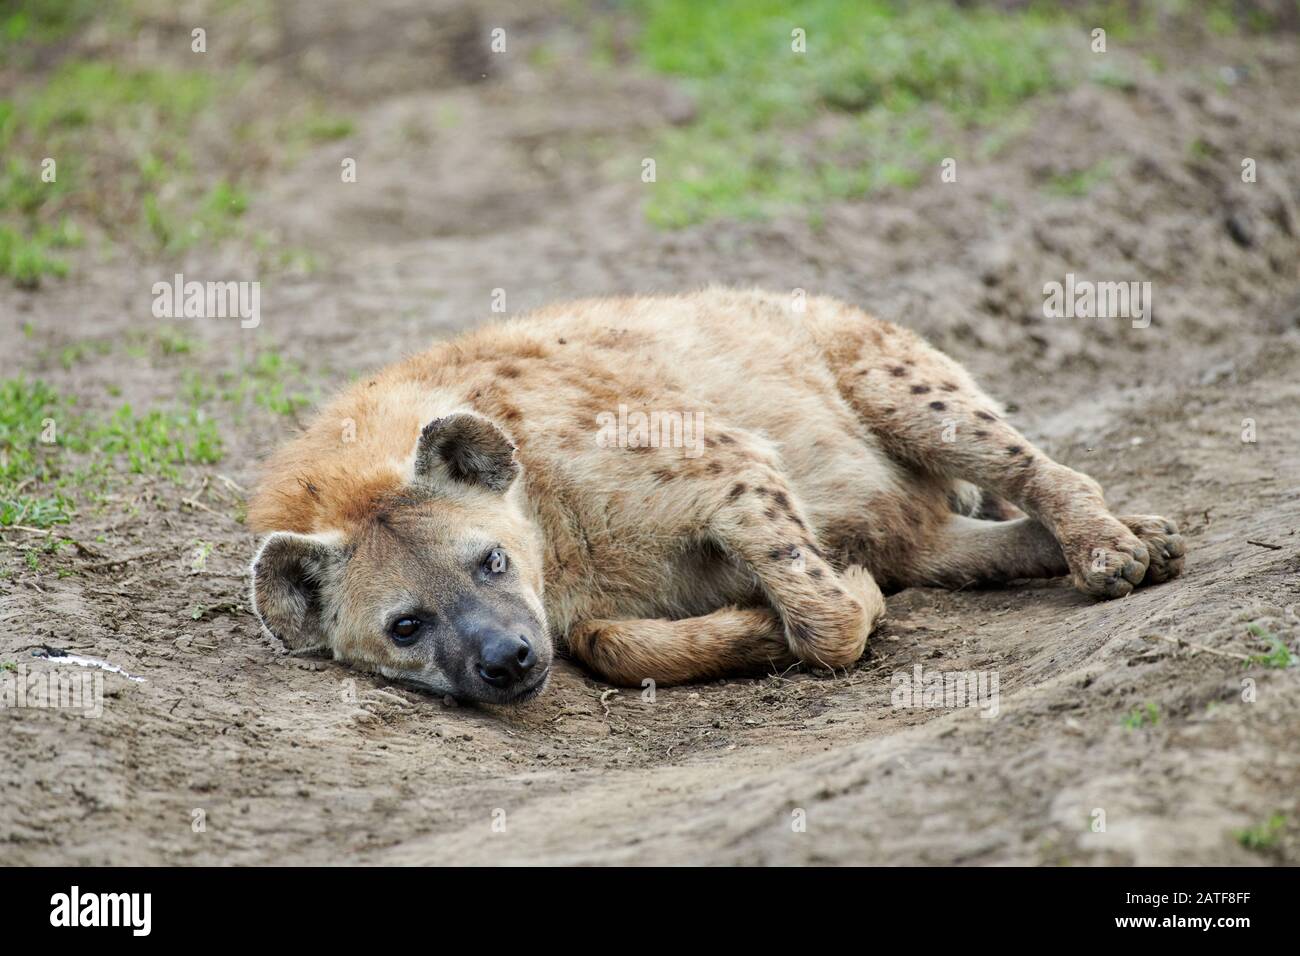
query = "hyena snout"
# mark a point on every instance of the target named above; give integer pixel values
(509, 659)
(505, 659)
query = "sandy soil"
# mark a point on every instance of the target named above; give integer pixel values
(535, 188)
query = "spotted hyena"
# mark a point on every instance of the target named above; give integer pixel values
(671, 489)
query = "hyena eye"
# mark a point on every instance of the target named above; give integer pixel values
(405, 630)
(495, 562)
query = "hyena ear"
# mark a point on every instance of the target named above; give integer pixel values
(289, 573)
(465, 448)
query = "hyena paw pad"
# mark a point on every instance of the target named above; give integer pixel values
(1110, 562)
(1164, 544)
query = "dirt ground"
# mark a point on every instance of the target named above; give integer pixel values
(536, 189)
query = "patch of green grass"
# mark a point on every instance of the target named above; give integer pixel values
(226, 202)
(1116, 77)
(26, 255)
(1080, 182)
(95, 141)
(176, 226)
(1263, 836)
(322, 127)
(30, 413)
(85, 93)
(27, 24)
(269, 381)
(38, 427)
(1278, 656)
(858, 110)
(74, 353)
(30, 418)
(275, 255)
(35, 512)
(1148, 715)
(155, 442)
(171, 342)
(166, 341)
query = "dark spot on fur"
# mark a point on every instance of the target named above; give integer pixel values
(920, 389)
(715, 468)
(981, 434)
(506, 370)
(986, 416)
(663, 474)
(781, 499)
(736, 491)
(563, 341)
(771, 514)
(726, 439)
(311, 489)
(1014, 449)
(898, 371)
(938, 406)
(814, 573)
(948, 387)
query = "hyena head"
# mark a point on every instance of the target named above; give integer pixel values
(440, 584)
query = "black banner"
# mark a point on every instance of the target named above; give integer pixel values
(265, 905)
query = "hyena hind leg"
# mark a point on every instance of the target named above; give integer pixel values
(926, 411)
(970, 552)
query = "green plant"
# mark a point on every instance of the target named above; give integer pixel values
(1279, 655)
(1263, 836)
(1148, 715)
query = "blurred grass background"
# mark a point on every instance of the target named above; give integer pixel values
(882, 91)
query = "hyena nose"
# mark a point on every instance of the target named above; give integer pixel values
(505, 659)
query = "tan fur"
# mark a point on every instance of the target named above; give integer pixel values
(835, 448)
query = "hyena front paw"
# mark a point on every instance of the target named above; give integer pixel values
(1164, 545)
(1106, 559)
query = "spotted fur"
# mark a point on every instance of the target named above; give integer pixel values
(827, 468)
